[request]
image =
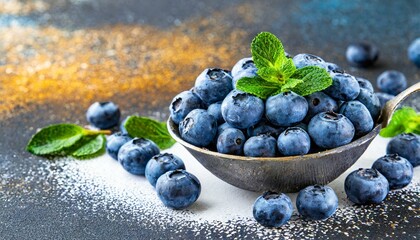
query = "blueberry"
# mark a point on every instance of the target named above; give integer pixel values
(249, 72)
(272, 209)
(264, 127)
(359, 115)
(286, 109)
(260, 146)
(302, 125)
(294, 141)
(198, 128)
(414, 52)
(243, 64)
(160, 164)
(215, 110)
(330, 130)
(231, 141)
(364, 83)
(302, 60)
(362, 54)
(114, 143)
(319, 102)
(371, 101)
(391, 82)
(407, 145)
(397, 170)
(332, 67)
(122, 128)
(242, 110)
(317, 202)
(135, 154)
(384, 98)
(178, 189)
(103, 115)
(222, 127)
(182, 104)
(212, 85)
(366, 186)
(344, 87)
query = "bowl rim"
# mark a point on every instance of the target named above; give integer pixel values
(360, 141)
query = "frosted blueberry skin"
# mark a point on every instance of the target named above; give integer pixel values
(383, 98)
(362, 54)
(364, 83)
(397, 170)
(212, 85)
(391, 82)
(114, 143)
(242, 110)
(286, 109)
(414, 52)
(103, 115)
(303, 59)
(249, 72)
(317, 202)
(406, 145)
(178, 189)
(135, 154)
(359, 116)
(182, 104)
(272, 209)
(332, 67)
(264, 127)
(160, 164)
(122, 128)
(371, 102)
(231, 141)
(215, 110)
(260, 146)
(366, 186)
(319, 102)
(330, 130)
(294, 141)
(243, 64)
(198, 128)
(344, 87)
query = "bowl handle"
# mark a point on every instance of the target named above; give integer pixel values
(392, 104)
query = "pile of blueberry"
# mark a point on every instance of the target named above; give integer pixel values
(216, 115)
(176, 187)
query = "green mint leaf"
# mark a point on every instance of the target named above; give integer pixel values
(89, 147)
(150, 129)
(287, 68)
(271, 74)
(290, 84)
(267, 51)
(54, 139)
(313, 78)
(404, 120)
(258, 86)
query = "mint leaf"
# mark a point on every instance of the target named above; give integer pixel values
(290, 84)
(150, 129)
(90, 146)
(258, 86)
(404, 120)
(313, 78)
(267, 51)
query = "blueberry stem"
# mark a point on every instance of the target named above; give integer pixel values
(88, 132)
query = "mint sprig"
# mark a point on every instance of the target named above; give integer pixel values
(144, 127)
(278, 73)
(404, 120)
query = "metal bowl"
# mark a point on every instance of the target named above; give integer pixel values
(288, 174)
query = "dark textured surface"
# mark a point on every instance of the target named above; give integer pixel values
(30, 203)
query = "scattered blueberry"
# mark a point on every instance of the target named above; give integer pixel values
(264, 127)
(359, 115)
(319, 102)
(362, 54)
(407, 145)
(160, 164)
(260, 146)
(364, 83)
(294, 141)
(242, 110)
(332, 67)
(178, 189)
(414, 52)
(198, 128)
(317, 202)
(383, 98)
(272, 209)
(103, 115)
(231, 141)
(286, 109)
(302, 60)
(243, 64)
(135, 154)
(371, 101)
(114, 143)
(182, 104)
(212, 85)
(215, 110)
(391, 82)
(344, 87)
(397, 170)
(366, 186)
